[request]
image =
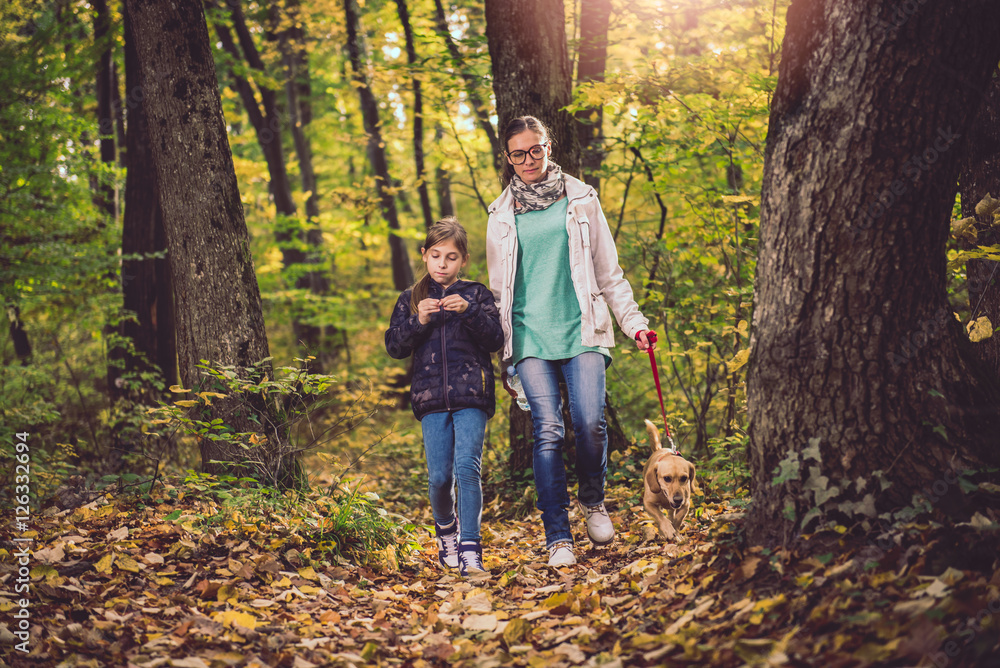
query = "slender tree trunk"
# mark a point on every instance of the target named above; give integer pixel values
(418, 115)
(402, 272)
(981, 177)
(471, 81)
(297, 91)
(595, 15)
(106, 84)
(446, 202)
(861, 387)
(219, 316)
(22, 344)
(532, 73)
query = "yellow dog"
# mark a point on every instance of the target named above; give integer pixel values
(668, 481)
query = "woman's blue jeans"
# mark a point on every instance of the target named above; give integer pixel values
(453, 443)
(584, 377)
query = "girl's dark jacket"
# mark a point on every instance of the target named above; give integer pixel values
(451, 354)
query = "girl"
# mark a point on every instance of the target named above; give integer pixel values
(450, 326)
(554, 271)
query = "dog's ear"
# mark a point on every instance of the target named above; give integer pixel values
(652, 483)
(691, 480)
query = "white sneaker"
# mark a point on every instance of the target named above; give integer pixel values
(447, 542)
(599, 527)
(561, 554)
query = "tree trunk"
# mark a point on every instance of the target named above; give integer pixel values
(981, 177)
(402, 272)
(418, 115)
(292, 43)
(106, 199)
(595, 15)
(861, 388)
(471, 81)
(146, 290)
(217, 299)
(22, 344)
(532, 73)
(446, 201)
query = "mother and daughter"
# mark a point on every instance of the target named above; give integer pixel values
(553, 273)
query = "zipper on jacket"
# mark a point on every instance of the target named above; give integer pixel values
(444, 359)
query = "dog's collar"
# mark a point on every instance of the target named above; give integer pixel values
(672, 451)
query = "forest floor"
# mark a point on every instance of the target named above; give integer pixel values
(182, 579)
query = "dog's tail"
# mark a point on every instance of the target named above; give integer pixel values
(654, 435)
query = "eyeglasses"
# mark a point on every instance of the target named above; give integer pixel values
(537, 152)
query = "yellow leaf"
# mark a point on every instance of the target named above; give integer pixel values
(739, 361)
(178, 389)
(47, 572)
(127, 563)
(515, 631)
(308, 573)
(104, 565)
(225, 593)
(186, 403)
(233, 618)
(738, 199)
(980, 329)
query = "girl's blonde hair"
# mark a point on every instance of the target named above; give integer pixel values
(446, 229)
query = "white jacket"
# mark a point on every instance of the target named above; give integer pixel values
(598, 280)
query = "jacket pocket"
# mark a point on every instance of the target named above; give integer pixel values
(599, 309)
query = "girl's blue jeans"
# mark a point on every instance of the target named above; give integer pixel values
(453, 443)
(584, 377)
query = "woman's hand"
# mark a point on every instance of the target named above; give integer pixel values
(426, 308)
(455, 303)
(645, 339)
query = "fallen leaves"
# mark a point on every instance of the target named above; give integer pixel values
(119, 585)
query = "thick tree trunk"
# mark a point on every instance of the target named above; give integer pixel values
(418, 115)
(981, 177)
(861, 391)
(595, 15)
(146, 290)
(217, 299)
(532, 73)
(402, 271)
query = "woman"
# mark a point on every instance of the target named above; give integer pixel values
(554, 271)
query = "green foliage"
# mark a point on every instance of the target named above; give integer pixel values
(284, 410)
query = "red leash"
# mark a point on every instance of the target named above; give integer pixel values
(651, 337)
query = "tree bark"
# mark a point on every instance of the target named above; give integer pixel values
(22, 344)
(861, 388)
(418, 115)
(532, 73)
(217, 299)
(402, 271)
(595, 15)
(146, 288)
(981, 177)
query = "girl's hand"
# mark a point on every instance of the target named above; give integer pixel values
(455, 303)
(426, 308)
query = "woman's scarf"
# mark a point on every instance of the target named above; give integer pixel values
(541, 195)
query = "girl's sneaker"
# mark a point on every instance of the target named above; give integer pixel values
(470, 558)
(447, 541)
(561, 554)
